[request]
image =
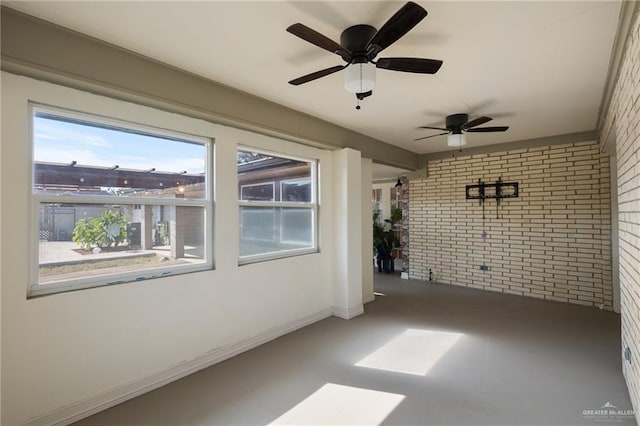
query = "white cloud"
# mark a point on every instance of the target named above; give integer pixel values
(87, 157)
(45, 136)
(83, 157)
(54, 131)
(61, 142)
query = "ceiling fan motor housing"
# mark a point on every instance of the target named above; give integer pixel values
(456, 121)
(355, 40)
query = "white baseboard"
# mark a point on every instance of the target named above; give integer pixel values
(94, 404)
(348, 313)
(370, 298)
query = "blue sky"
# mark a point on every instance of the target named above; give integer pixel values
(63, 142)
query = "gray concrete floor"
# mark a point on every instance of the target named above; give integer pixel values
(514, 361)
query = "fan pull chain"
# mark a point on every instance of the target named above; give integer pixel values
(361, 91)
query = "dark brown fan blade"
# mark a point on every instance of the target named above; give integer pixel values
(432, 136)
(317, 39)
(417, 65)
(433, 128)
(397, 26)
(489, 129)
(315, 75)
(476, 122)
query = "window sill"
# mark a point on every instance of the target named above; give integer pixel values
(247, 260)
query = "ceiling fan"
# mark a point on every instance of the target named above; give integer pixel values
(359, 46)
(458, 124)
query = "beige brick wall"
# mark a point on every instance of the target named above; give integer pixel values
(553, 242)
(623, 117)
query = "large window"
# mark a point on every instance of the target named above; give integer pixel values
(278, 206)
(116, 202)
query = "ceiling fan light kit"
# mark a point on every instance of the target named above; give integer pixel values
(360, 45)
(457, 125)
(456, 140)
(360, 78)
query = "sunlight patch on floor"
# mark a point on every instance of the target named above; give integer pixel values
(412, 352)
(334, 404)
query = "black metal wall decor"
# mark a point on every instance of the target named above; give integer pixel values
(497, 191)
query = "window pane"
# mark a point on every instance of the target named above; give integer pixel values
(299, 190)
(393, 196)
(75, 157)
(257, 192)
(295, 227)
(94, 240)
(291, 178)
(258, 224)
(265, 230)
(376, 205)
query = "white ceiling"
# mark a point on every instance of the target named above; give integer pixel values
(538, 67)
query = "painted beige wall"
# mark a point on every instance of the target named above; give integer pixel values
(61, 349)
(552, 242)
(347, 228)
(367, 234)
(623, 121)
(1, 265)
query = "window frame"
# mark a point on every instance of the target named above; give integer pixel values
(36, 199)
(312, 205)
